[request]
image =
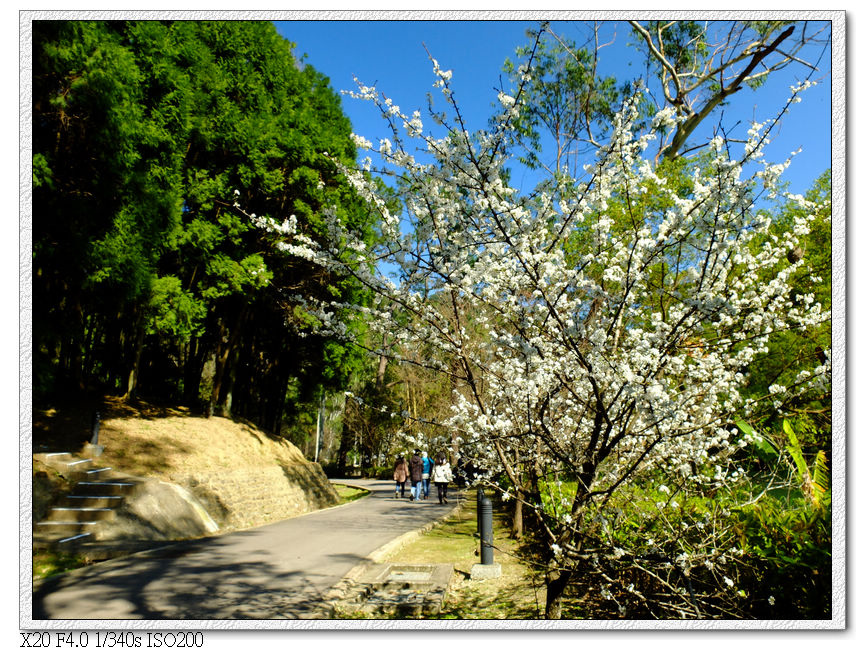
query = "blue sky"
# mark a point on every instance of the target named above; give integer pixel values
(391, 55)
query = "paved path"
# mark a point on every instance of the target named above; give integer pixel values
(276, 571)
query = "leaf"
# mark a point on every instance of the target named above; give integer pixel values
(795, 451)
(820, 479)
(763, 446)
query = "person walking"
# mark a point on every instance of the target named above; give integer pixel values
(427, 470)
(441, 476)
(416, 475)
(400, 475)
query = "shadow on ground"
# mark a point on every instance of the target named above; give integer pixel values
(184, 582)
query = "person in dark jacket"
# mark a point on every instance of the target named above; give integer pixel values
(416, 474)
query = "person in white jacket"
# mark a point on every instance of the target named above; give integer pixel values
(441, 476)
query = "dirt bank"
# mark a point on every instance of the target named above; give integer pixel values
(241, 476)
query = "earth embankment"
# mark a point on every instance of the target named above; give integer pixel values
(242, 476)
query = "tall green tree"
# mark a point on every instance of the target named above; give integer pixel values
(699, 67)
(157, 145)
(570, 104)
(106, 191)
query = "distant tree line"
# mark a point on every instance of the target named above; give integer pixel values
(153, 144)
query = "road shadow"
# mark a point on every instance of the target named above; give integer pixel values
(185, 582)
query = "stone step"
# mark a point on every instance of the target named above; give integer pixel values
(90, 501)
(79, 464)
(80, 514)
(80, 538)
(99, 472)
(53, 531)
(104, 488)
(56, 460)
(95, 497)
(72, 467)
(59, 539)
(52, 455)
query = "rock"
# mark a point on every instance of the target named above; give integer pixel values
(159, 511)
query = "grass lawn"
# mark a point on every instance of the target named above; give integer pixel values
(49, 563)
(518, 594)
(347, 494)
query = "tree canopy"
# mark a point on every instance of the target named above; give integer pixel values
(147, 137)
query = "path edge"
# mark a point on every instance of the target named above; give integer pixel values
(327, 608)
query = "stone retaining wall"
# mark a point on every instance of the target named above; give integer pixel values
(245, 497)
(239, 475)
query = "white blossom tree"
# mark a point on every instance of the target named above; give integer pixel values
(616, 326)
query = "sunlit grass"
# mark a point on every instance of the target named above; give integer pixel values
(50, 563)
(347, 493)
(517, 594)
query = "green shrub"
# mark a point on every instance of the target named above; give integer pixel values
(788, 553)
(379, 472)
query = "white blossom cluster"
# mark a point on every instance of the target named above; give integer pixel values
(594, 333)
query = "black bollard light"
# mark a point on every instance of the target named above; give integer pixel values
(485, 523)
(94, 429)
(486, 569)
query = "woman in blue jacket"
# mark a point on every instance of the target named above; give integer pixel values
(427, 470)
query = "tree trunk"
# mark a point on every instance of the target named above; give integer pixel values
(382, 366)
(557, 582)
(192, 372)
(223, 356)
(519, 495)
(558, 577)
(90, 337)
(138, 346)
(517, 523)
(73, 354)
(228, 385)
(686, 128)
(275, 402)
(344, 442)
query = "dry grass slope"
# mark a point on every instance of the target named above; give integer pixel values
(241, 475)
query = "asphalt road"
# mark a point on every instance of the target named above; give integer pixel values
(277, 571)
